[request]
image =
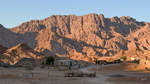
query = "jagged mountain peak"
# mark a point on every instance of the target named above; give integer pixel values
(31, 26)
(55, 20)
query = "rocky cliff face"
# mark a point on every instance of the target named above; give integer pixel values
(84, 37)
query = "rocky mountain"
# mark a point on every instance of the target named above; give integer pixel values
(83, 37)
(18, 52)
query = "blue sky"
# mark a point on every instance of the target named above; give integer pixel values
(15, 12)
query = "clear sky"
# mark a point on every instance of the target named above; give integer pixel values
(14, 12)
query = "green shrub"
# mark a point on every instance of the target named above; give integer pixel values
(123, 58)
(50, 60)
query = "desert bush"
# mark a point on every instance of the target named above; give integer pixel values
(49, 61)
(123, 58)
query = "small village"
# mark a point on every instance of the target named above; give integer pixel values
(55, 68)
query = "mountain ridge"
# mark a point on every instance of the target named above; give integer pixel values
(85, 37)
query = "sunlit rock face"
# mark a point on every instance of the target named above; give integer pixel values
(82, 37)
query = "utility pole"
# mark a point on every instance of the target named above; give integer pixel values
(96, 62)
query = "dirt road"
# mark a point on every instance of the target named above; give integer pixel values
(110, 74)
(99, 79)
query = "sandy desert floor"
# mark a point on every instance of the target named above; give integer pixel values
(116, 74)
(40, 76)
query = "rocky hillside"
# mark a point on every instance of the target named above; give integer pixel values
(2, 49)
(83, 37)
(18, 52)
(8, 38)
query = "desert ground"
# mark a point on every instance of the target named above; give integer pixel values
(106, 74)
